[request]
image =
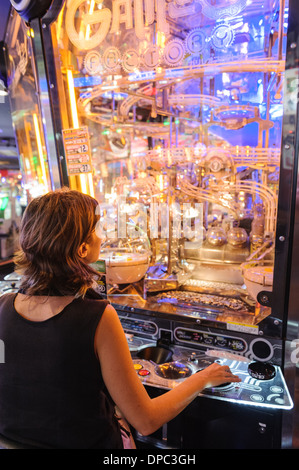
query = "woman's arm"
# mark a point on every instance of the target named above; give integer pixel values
(145, 414)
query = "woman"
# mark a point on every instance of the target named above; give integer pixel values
(67, 361)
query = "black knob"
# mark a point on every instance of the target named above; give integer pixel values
(261, 370)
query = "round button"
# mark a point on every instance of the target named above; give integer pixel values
(276, 389)
(137, 366)
(143, 372)
(257, 397)
(261, 370)
(173, 370)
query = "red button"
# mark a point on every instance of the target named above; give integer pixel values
(143, 372)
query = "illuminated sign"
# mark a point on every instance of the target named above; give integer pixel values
(137, 15)
(77, 150)
(110, 21)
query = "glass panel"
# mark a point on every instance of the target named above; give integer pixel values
(26, 117)
(183, 104)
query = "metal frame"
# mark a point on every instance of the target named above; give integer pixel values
(288, 181)
(290, 143)
(43, 91)
(283, 322)
(49, 102)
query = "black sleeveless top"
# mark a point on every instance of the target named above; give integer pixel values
(51, 388)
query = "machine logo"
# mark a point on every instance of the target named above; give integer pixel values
(110, 21)
(88, 25)
(92, 62)
(138, 14)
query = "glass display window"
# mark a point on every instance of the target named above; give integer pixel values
(180, 104)
(25, 107)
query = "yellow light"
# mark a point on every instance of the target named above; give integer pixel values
(91, 9)
(160, 182)
(59, 23)
(104, 170)
(90, 183)
(161, 38)
(130, 167)
(30, 32)
(75, 119)
(71, 87)
(40, 149)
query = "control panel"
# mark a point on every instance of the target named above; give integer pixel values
(251, 391)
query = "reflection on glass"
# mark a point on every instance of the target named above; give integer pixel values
(183, 103)
(26, 117)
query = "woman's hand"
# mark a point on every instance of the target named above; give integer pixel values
(216, 374)
(145, 414)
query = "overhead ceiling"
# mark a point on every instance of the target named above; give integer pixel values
(8, 150)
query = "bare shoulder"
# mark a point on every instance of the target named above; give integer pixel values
(110, 310)
(109, 329)
(109, 315)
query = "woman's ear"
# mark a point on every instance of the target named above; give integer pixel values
(82, 251)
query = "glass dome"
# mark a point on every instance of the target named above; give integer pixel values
(127, 259)
(237, 236)
(216, 236)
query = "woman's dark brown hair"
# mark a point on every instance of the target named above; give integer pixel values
(53, 228)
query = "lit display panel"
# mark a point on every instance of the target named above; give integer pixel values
(183, 102)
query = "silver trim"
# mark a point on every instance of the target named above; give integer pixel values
(21, 5)
(43, 90)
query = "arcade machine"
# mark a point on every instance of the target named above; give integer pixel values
(180, 117)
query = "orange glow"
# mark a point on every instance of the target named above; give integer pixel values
(40, 150)
(90, 11)
(75, 119)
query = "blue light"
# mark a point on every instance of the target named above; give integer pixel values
(87, 81)
(150, 75)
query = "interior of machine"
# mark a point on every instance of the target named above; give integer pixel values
(183, 102)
